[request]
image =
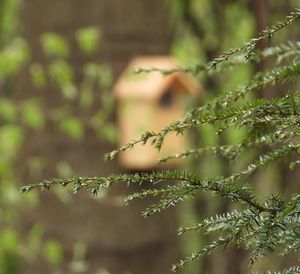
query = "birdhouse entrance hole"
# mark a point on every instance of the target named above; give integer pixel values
(167, 99)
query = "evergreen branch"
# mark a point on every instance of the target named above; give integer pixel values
(268, 238)
(291, 270)
(289, 241)
(229, 151)
(221, 241)
(219, 222)
(266, 159)
(269, 231)
(281, 135)
(243, 223)
(190, 187)
(202, 115)
(263, 226)
(248, 49)
(281, 52)
(190, 184)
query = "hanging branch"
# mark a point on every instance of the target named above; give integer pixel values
(205, 114)
(261, 226)
(247, 49)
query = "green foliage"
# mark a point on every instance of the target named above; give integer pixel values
(88, 39)
(26, 110)
(247, 49)
(38, 76)
(261, 226)
(72, 127)
(9, 240)
(13, 57)
(8, 111)
(53, 252)
(55, 45)
(32, 114)
(8, 19)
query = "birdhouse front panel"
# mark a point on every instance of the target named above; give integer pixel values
(136, 117)
(150, 103)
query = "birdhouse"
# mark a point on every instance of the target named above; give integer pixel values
(151, 101)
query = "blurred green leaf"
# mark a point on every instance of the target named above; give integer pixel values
(38, 76)
(105, 77)
(8, 111)
(88, 39)
(9, 19)
(109, 133)
(52, 252)
(72, 127)
(108, 102)
(69, 91)
(32, 115)
(61, 72)
(10, 139)
(86, 96)
(9, 263)
(79, 264)
(91, 70)
(13, 57)
(9, 240)
(98, 119)
(34, 242)
(55, 45)
(88, 84)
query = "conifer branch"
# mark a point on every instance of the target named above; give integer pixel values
(205, 114)
(291, 270)
(247, 49)
(261, 226)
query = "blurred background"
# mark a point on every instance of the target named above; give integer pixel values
(59, 60)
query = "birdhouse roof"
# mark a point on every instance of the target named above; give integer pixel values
(152, 85)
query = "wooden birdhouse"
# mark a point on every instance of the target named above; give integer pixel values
(151, 101)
